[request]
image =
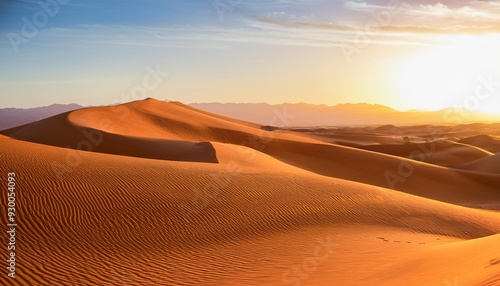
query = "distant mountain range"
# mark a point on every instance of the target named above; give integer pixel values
(12, 117)
(304, 114)
(283, 115)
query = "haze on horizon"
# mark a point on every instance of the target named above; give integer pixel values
(405, 55)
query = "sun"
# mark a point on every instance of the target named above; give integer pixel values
(452, 73)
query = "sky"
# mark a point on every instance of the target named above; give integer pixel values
(418, 54)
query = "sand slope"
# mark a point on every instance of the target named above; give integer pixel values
(487, 142)
(62, 132)
(129, 221)
(151, 120)
(175, 196)
(442, 152)
(488, 165)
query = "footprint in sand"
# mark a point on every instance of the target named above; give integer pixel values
(397, 241)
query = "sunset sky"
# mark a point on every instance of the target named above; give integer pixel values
(406, 55)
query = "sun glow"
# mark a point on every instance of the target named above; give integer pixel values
(465, 71)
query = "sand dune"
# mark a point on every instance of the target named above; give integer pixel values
(148, 129)
(487, 142)
(152, 118)
(271, 208)
(100, 226)
(180, 122)
(442, 152)
(489, 165)
(347, 138)
(61, 131)
(455, 186)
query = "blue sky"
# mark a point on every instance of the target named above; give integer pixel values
(98, 52)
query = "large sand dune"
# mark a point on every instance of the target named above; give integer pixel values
(489, 165)
(247, 207)
(442, 152)
(487, 142)
(150, 121)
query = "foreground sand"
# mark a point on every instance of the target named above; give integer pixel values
(293, 210)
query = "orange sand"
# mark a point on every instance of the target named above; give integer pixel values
(175, 196)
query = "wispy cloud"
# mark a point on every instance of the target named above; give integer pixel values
(406, 23)
(191, 37)
(466, 16)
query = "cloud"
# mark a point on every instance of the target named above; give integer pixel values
(471, 16)
(397, 24)
(362, 6)
(175, 36)
(404, 24)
